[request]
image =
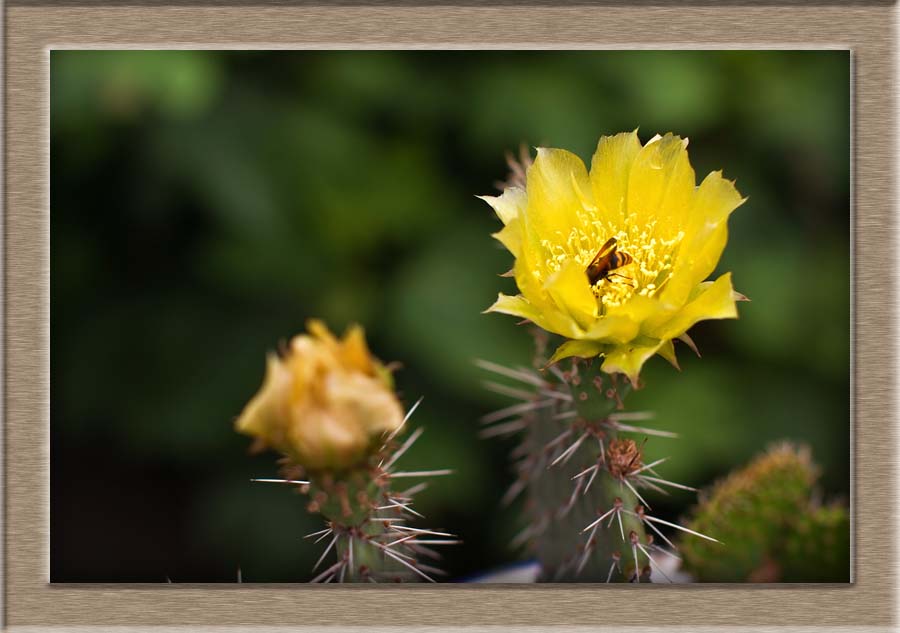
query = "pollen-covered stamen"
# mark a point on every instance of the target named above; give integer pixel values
(652, 249)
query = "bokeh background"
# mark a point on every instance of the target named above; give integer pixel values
(205, 204)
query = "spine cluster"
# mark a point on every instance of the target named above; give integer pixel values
(366, 511)
(582, 473)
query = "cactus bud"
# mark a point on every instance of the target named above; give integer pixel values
(326, 403)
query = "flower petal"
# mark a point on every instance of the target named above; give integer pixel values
(667, 351)
(549, 319)
(582, 349)
(571, 291)
(261, 416)
(613, 328)
(508, 206)
(557, 182)
(355, 352)
(610, 167)
(705, 237)
(661, 182)
(715, 301)
(628, 359)
(511, 236)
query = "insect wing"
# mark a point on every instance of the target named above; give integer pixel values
(608, 248)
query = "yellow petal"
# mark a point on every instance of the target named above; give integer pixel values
(582, 349)
(610, 167)
(715, 301)
(628, 359)
(716, 199)
(548, 319)
(509, 205)
(557, 182)
(262, 415)
(667, 351)
(661, 182)
(705, 237)
(511, 237)
(613, 329)
(571, 291)
(355, 352)
(319, 330)
(638, 308)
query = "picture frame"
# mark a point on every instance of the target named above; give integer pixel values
(33, 28)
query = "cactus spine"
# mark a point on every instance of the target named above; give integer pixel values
(580, 474)
(365, 519)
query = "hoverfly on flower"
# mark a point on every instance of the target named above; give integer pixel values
(606, 262)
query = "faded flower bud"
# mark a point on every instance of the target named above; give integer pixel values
(326, 403)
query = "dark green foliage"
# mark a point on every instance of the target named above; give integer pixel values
(771, 528)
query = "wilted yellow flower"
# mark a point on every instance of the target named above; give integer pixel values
(672, 231)
(326, 404)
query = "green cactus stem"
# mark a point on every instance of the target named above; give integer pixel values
(366, 511)
(775, 530)
(580, 473)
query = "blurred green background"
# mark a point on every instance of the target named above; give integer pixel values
(205, 204)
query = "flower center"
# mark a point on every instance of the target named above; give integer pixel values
(651, 248)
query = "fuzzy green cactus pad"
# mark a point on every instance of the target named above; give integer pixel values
(770, 527)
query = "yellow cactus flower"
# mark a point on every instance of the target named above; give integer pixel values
(650, 286)
(326, 403)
